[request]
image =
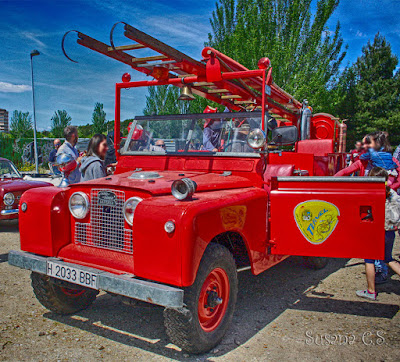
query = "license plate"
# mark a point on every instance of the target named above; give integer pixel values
(72, 274)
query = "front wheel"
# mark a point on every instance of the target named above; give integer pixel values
(60, 299)
(210, 303)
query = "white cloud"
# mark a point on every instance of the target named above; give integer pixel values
(359, 34)
(14, 88)
(34, 37)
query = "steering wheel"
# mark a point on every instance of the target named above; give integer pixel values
(229, 144)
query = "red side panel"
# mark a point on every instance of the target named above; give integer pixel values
(325, 216)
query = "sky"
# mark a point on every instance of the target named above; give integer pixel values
(184, 24)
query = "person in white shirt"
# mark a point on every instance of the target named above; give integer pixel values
(68, 147)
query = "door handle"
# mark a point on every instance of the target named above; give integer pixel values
(368, 216)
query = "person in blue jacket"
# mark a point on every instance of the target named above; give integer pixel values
(379, 153)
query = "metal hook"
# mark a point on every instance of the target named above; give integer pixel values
(112, 33)
(62, 45)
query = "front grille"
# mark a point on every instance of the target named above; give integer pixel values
(106, 228)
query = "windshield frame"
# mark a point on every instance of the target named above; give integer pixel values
(223, 116)
(13, 167)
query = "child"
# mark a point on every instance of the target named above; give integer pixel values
(379, 152)
(392, 221)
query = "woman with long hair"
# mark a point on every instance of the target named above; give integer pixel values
(93, 166)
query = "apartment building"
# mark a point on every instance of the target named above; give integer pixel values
(3, 120)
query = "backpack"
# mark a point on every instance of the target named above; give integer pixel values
(392, 211)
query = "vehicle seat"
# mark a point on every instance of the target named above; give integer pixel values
(316, 147)
(276, 170)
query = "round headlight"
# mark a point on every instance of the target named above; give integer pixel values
(183, 189)
(256, 138)
(79, 205)
(130, 207)
(9, 198)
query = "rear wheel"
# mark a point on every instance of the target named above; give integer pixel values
(210, 303)
(315, 262)
(64, 299)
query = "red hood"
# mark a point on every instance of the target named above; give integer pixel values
(205, 181)
(14, 185)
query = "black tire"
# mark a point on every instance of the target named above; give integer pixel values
(315, 262)
(183, 325)
(61, 300)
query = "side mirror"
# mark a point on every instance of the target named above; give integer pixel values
(284, 135)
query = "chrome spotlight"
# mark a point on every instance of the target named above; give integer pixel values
(183, 189)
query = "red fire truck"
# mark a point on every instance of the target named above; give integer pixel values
(176, 221)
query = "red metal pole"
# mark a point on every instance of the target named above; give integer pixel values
(188, 80)
(117, 121)
(263, 102)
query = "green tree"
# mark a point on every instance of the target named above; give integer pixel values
(59, 121)
(305, 54)
(99, 119)
(85, 131)
(370, 91)
(21, 125)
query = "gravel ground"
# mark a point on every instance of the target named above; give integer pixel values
(288, 312)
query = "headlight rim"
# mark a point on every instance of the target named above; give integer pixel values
(87, 201)
(139, 200)
(13, 199)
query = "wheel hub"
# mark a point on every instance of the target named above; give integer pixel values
(213, 299)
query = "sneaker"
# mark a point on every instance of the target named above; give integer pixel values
(381, 278)
(366, 294)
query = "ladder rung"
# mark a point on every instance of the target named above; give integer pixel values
(158, 64)
(127, 47)
(244, 102)
(218, 91)
(149, 59)
(203, 84)
(233, 96)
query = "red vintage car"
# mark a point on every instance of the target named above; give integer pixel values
(179, 219)
(12, 186)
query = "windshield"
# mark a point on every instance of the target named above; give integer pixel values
(217, 133)
(8, 170)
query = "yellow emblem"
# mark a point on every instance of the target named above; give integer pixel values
(316, 220)
(233, 217)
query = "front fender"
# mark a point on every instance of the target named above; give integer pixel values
(242, 210)
(174, 258)
(45, 225)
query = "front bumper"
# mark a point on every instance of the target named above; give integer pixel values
(9, 212)
(125, 285)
